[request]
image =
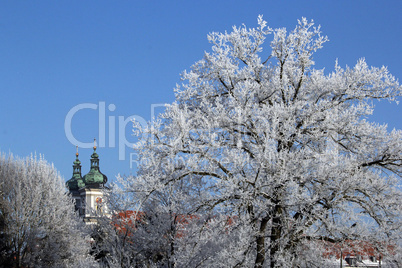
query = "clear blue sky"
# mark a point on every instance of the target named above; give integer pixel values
(55, 55)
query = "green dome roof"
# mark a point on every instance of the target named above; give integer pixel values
(94, 178)
(76, 181)
(94, 154)
(94, 175)
(77, 161)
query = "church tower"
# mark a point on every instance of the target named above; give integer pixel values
(87, 191)
(76, 183)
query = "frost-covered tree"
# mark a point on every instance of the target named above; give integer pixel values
(114, 245)
(39, 227)
(132, 237)
(282, 149)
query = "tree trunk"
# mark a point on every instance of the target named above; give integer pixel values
(276, 232)
(260, 241)
(173, 228)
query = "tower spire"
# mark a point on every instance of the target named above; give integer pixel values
(76, 181)
(94, 175)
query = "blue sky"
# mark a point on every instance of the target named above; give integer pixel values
(127, 56)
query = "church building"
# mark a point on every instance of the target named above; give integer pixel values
(87, 191)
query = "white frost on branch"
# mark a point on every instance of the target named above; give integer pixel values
(259, 136)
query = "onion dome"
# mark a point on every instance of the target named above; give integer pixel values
(76, 181)
(94, 176)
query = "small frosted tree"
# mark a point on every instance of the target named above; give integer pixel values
(283, 149)
(142, 230)
(39, 226)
